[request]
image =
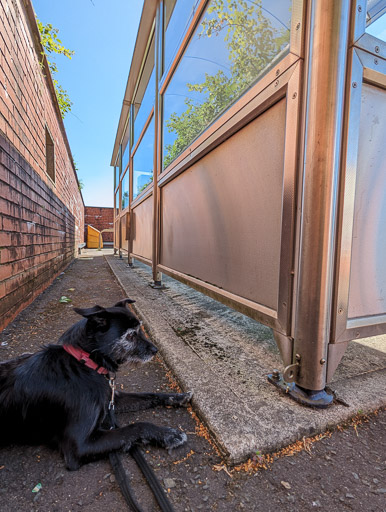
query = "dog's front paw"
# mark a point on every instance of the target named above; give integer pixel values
(180, 399)
(172, 438)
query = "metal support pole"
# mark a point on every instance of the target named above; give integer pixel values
(130, 142)
(157, 276)
(327, 56)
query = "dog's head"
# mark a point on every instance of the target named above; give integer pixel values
(114, 334)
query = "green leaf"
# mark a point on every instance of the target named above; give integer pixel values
(52, 44)
(64, 300)
(251, 41)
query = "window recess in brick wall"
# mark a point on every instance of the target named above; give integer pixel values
(50, 156)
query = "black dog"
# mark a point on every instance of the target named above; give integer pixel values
(60, 395)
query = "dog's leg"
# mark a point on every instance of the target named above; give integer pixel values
(127, 402)
(102, 442)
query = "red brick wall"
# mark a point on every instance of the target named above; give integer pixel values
(100, 218)
(41, 219)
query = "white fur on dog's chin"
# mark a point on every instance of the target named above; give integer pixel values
(134, 362)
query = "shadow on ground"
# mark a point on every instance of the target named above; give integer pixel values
(344, 471)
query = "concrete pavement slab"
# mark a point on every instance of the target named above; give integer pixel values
(224, 358)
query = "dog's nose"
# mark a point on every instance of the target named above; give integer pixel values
(153, 349)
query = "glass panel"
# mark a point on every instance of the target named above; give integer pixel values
(117, 202)
(235, 43)
(145, 107)
(178, 15)
(116, 177)
(126, 147)
(374, 10)
(119, 161)
(145, 96)
(376, 19)
(125, 191)
(143, 161)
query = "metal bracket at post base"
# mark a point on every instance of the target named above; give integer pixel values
(316, 399)
(157, 285)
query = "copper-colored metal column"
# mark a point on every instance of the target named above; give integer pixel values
(130, 142)
(157, 276)
(328, 41)
(120, 207)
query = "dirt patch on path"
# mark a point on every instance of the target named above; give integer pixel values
(343, 472)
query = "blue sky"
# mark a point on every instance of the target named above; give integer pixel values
(102, 33)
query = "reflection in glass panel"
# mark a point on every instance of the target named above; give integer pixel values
(117, 202)
(145, 95)
(145, 107)
(235, 43)
(143, 161)
(125, 191)
(125, 148)
(178, 15)
(119, 161)
(374, 10)
(376, 20)
(116, 177)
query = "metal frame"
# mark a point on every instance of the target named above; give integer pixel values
(133, 203)
(149, 187)
(358, 35)
(158, 65)
(143, 205)
(124, 210)
(329, 52)
(364, 69)
(269, 89)
(282, 80)
(251, 105)
(213, 135)
(365, 66)
(117, 242)
(233, 119)
(165, 79)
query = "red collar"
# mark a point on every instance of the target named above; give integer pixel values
(84, 357)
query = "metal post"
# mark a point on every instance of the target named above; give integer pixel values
(327, 57)
(130, 142)
(157, 276)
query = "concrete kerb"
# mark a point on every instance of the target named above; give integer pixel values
(212, 351)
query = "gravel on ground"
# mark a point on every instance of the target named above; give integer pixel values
(338, 471)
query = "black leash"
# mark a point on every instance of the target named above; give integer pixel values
(121, 478)
(148, 473)
(152, 480)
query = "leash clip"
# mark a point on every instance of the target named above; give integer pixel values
(113, 388)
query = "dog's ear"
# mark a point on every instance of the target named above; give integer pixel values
(97, 317)
(89, 311)
(122, 303)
